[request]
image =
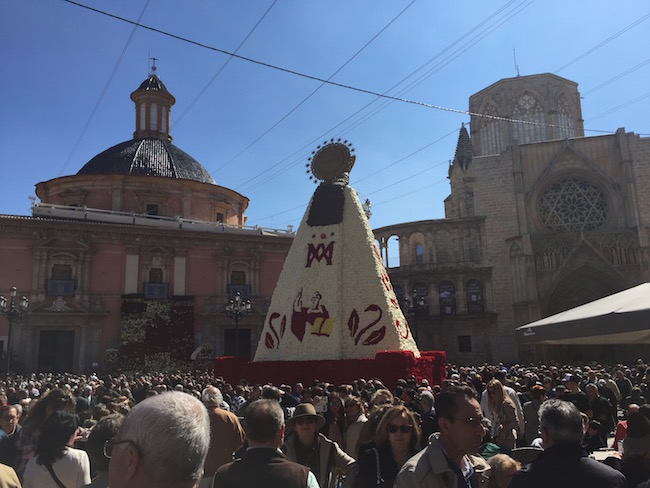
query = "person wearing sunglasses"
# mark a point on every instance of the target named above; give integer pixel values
(450, 460)
(334, 426)
(307, 446)
(395, 441)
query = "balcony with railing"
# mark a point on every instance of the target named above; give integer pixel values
(130, 218)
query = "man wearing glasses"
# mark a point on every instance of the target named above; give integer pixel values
(163, 441)
(449, 461)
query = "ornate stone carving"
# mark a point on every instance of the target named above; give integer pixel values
(572, 205)
(617, 248)
(58, 305)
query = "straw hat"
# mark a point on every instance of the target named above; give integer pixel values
(306, 410)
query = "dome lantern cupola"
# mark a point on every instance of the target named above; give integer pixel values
(152, 108)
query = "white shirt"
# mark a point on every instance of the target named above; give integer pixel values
(312, 482)
(73, 469)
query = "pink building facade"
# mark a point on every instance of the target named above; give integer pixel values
(128, 263)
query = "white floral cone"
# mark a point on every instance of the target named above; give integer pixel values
(333, 299)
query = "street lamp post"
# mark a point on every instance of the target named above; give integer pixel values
(415, 307)
(13, 312)
(237, 308)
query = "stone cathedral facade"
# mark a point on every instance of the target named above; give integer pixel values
(540, 218)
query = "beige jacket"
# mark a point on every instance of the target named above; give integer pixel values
(429, 469)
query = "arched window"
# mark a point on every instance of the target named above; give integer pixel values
(566, 129)
(153, 117)
(163, 125)
(447, 298)
(490, 138)
(392, 252)
(143, 117)
(474, 293)
(419, 258)
(531, 113)
(471, 250)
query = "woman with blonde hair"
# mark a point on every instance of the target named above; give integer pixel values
(503, 415)
(502, 469)
(396, 440)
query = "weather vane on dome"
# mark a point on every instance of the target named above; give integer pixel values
(331, 162)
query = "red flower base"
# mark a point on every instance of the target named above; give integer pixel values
(387, 366)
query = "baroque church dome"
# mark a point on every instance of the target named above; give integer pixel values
(150, 152)
(147, 157)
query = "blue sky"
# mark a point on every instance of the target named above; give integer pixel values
(253, 127)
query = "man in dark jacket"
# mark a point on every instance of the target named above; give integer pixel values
(564, 463)
(601, 408)
(263, 464)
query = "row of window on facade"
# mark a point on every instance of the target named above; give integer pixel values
(62, 283)
(530, 126)
(419, 298)
(443, 253)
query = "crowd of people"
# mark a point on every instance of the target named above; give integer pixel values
(484, 426)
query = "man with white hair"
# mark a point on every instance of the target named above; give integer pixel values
(163, 441)
(85, 401)
(564, 463)
(226, 434)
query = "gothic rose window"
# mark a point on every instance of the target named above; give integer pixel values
(572, 205)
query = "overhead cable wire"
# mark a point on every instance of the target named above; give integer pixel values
(410, 192)
(397, 197)
(406, 157)
(285, 211)
(376, 98)
(615, 78)
(278, 122)
(223, 66)
(606, 41)
(380, 170)
(386, 103)
(366, 117)
(355, 182)
(313, 141)
(618, 107)
(461, 49)
(392, 184)
(103, 92)
(322, 80)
